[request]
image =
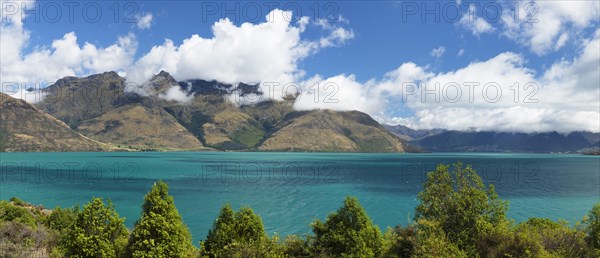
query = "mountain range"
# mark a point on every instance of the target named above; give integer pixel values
(103, 112)
(439, 140)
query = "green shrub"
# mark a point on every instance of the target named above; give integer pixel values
(248, 227)
(504, 241)
(433, 242)
(295, 246)
(349, 232)
(459, 201)
(400, 241)
(160, 232)
(234, 233)
(593, 227)
(17, 202)
(221, 234)
(556, 238)
(10, 212)
(97, 232)
(264, 248)
(62, 219)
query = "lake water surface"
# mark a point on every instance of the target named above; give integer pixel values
(289, 190)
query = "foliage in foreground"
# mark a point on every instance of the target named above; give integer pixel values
(458, 216)
(160, 232)
(98, 231)
(460, 204)
(349, 232)
(239, 234)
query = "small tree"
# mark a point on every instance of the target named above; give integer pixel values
(62, 219)
(221, 234)
(234, 233)
(160, 232)
(461, 204)
(349, 232)
(593, 228)
(97, 232)
(248, 227)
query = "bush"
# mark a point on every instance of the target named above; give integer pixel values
(433, 242)
(10, 212)
(264, 248)
(97, 232)
(20, 240)
(22, 233)
(237, 233)
(248, 227)
(62, 219)
(593, 228)
(17, 202)
(459, 201)
(556, 238)
(160, 232)
(400, 242)
(495, 241)
(349, 232)
(535, 238)
(295, 246)
(505, 241)
(221, 234)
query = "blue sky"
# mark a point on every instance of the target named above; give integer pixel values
(378, 38)
(382, 39)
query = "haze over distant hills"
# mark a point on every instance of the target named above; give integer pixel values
(439, 140)
(167, 115)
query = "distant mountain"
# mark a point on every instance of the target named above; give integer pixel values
(25, 128)
(103, 107)
(456, 141)
(410, 134)
(505, 142)
(325, 130)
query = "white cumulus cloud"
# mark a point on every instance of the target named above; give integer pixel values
(500, 94)
(250, 53)
(64, 57)
(546, 26)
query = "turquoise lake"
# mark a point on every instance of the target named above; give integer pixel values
(289, 190)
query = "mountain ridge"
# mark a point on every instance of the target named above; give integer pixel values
(25, 128)
(105, 108)
(115, 115)
(439, 140)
